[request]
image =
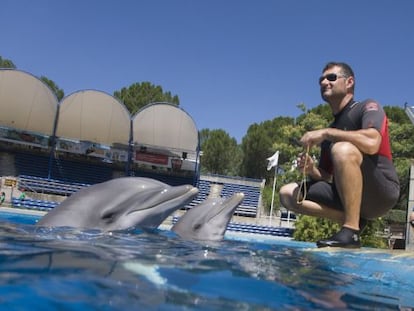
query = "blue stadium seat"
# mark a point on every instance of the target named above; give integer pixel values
(39, 205)
(248, 206)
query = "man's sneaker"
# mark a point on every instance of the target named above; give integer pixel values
(346, 238)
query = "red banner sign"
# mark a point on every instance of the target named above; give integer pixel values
(151, 158)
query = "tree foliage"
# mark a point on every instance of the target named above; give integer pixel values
(137, 95)
(220, 152)
(54, 87)
(397, 115)
(256, 147)
(311, 229)
(259, 144)
(6, 63)
(203, 135)
(286, 134)
(402, 145)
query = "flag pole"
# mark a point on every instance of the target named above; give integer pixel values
(273, 196)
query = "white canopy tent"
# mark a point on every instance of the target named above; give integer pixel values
(95, 116)
(165, 125)
(26, 102)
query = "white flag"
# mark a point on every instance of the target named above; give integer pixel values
(273, 160)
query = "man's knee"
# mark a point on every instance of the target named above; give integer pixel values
(287, 195)
(346, 152)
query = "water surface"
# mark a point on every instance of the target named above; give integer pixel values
(66, 269)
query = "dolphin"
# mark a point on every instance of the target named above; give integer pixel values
(119, 204)
(208, 221)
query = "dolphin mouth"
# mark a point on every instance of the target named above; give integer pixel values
(227, 206)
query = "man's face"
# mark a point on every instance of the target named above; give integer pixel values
(333, 84)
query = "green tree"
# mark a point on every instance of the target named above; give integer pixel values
(402, 166)
(54, 87)
(138, 95)
(402, 145)
(203, 135)
(396, 114)
(273, 128)
(6, 63)
(219, 152)
(322, 112)
(256, 147)
(402, 139)
(287, 142)
(236, 160)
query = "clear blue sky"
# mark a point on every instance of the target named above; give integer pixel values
(231, 62)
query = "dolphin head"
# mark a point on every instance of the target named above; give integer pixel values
(208, 220)
(119, 204)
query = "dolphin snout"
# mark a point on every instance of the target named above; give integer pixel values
(184, 190)
(184, 193)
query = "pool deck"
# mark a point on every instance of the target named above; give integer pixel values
(21, 211)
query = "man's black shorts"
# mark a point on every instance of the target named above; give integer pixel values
(379, 193)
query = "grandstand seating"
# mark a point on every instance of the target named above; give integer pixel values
(63, 176)
(38, 205)
(169, 179)
(247, 208)
(30, 164)
(249, 228)
(249, 205)
(61, 169)
(287, 216)
(48, 186)
(80, 172)
(203, 191)
(52, 186)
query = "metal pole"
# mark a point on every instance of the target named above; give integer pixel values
(273, 196)
(409, 235)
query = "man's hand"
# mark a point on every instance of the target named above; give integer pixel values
(305, 163)
(313, 138)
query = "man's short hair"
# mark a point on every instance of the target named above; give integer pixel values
(345, 68)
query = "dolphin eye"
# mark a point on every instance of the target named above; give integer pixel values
(197, 226)
(108, 217)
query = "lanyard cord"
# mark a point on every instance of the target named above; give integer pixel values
(303, 187)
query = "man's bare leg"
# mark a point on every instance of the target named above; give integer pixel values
(347, 160)
(288, 198)
(348, 180)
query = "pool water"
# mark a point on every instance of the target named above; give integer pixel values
(67, 269)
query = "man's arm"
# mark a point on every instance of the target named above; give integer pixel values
(368, 141)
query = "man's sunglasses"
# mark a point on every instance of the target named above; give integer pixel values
(331, 77)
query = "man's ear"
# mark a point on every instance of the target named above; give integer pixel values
(350, 82)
